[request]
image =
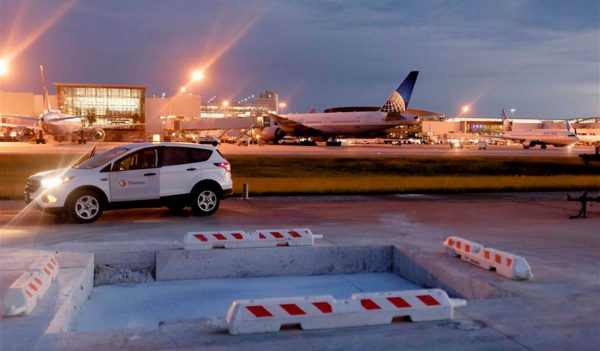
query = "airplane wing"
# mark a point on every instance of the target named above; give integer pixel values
(23, 118)
(65, 118)
(517, 139)
(414, 111)
(112, 126)
(290, 126)
(12, 125)
(26, 118)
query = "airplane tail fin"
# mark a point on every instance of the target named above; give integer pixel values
(570, 128)
(398, 100)
(506, 124)
(45, 90)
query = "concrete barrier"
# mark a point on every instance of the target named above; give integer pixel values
(46, 266)
(289, 237)
(207, 240)
(322, 312)
(22, 295)
(505, 264)
(509, 265)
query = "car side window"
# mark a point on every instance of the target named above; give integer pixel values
(142, 159)
(199, 155)
(172, 156)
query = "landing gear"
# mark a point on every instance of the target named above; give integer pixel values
(81, 139)
(333, 141)
(40, 139)
(543, 146)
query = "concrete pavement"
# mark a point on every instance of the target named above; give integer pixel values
(559, 309)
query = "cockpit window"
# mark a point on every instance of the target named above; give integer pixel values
(102, 158)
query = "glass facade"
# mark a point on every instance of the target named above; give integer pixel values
(100, 105)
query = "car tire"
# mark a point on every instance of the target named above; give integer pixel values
(84, 206)
(205, 201)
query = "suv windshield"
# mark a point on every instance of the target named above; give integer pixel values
(102, 158)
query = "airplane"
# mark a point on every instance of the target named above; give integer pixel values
(347, 121)
(588, 136)
(55, 123)
(543, 137)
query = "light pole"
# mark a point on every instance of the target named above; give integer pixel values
(3, 71)
(282, 106)
(198, 76)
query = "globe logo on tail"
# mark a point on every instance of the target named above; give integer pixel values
(395, 103)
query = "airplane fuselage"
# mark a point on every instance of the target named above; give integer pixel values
(58, 124)
(556, 137)
(346, 123)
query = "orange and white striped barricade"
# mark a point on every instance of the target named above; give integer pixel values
(321, 312)
(289, 237)
(47, 268)
(504, 263)
(467, 250)
(207, 240)
(508, 265)
(22, 295)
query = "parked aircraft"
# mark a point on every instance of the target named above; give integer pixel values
(348, 121)
(543, 137)
(55, 123)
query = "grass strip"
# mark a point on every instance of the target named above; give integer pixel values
(269, 175)
(413, 184)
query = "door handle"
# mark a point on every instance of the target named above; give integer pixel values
(149, 174)
(190, 169)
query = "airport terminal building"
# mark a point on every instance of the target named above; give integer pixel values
(183, 114)
(102, 105)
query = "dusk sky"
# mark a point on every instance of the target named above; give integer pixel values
(540, 57)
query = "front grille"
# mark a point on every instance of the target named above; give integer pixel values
(32, 185)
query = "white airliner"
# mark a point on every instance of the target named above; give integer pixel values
(55, 123)
(543, 137)
(348, 121)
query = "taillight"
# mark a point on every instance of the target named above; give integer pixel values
(225, 165)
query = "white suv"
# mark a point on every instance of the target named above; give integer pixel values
(175, 175)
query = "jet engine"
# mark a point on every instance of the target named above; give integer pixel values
(99, 134)
(272, 133)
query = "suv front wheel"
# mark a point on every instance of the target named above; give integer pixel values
(84, 206)
(205, 201)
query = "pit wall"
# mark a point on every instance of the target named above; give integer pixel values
(430, 270)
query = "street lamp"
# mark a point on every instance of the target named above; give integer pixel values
(3, 70)
(512, 112)
(282, 106)
(225, 103)
(3, 67)
(466, 108)
(197, 76)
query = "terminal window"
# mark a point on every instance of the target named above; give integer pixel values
(103, 105)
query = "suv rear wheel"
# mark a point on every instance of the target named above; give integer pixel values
(84, 206)
(205, 201)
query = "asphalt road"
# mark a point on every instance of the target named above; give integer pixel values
(351, 150)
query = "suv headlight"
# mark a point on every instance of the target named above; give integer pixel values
(52, 182)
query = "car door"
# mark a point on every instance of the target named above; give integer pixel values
(135, 176)
(176, 172)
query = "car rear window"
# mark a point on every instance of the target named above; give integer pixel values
(175, 156)
(199, 155)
